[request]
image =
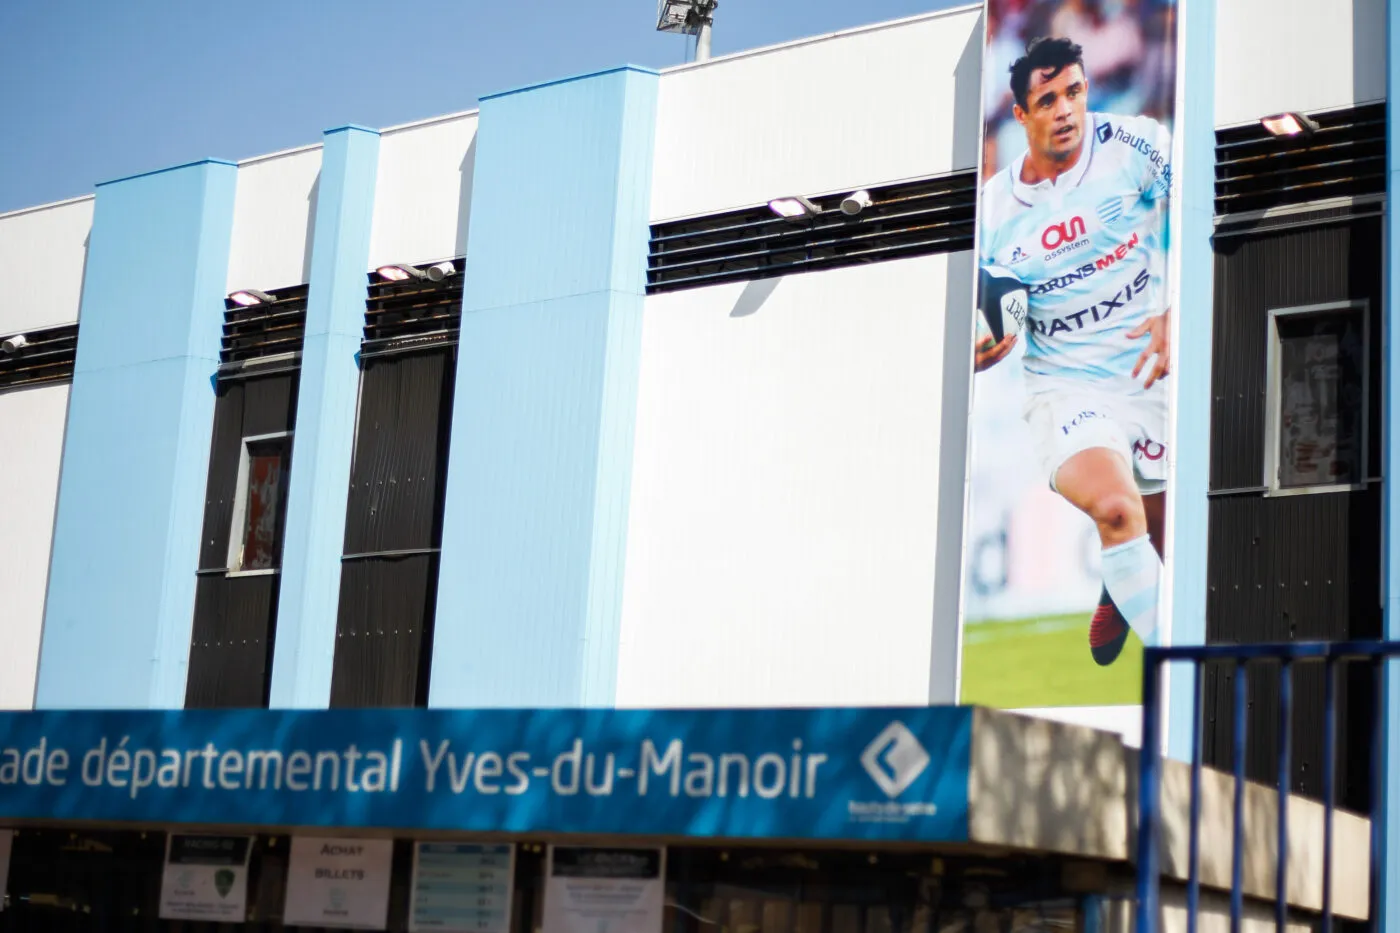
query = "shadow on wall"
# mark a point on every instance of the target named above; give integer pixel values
(464, 206)
(754, 295)
(967, 101)
(313, 198)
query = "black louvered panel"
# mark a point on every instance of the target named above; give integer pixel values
(47, 356)
(935, 215)
(383, 638)
(231, 642)
(1255, 170)
(418, 312)
(264, 330)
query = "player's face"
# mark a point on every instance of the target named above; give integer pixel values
(1055, 113)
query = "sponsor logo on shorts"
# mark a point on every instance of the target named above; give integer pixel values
(1077, 420)
(1149, 450)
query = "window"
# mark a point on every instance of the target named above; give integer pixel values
(1317, 381)
(255, 534)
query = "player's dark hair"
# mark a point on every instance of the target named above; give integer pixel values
(1043, 53)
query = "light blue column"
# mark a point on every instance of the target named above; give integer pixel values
(1389, 873)
(535, 526)
(136, 454)
(1190, 509)
(325, 426)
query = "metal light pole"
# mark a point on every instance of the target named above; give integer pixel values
(690, 18)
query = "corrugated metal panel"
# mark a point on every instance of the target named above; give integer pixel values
(815, 118)
(423, 192)
(235, 618)
(399, 471)
(1345, 40)
(387, 603)
(231, 644)
(273, 214)
(383, 638)
(1287, 568)
(49, 245)
(1254, 274)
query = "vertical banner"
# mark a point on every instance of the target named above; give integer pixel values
(1063, 571)
(337, 882)
(205, 878)
(461, 886)
(591, 890)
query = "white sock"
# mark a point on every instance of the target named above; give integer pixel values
(1132, 572)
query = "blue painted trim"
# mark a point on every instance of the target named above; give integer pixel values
(638, 69)
(136, 453)
(539, 477)
(1189, 506)
(162, 171)
(325, 423)
(1389, 868)
(351, 126)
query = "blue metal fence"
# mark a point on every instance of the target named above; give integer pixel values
(1284, 657)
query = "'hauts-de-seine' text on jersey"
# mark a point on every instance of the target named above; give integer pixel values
(1089, 247)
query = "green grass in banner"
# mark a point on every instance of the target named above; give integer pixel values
(1045, 661)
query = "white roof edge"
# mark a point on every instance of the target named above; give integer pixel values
(429, 121)
(268, 156)
(45, 207)
(825, 37)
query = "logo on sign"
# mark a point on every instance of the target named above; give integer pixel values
(1057, 235)
(895, 759)
(1111, 209)
(1017, 255)
(1105, 132)
(1152, 450)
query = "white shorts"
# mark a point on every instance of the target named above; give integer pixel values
(1065, 419)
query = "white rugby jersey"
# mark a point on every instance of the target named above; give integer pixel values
(1090, 249)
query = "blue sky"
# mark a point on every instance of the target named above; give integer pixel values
(93, 90)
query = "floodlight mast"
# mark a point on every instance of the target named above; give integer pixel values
(689, 18)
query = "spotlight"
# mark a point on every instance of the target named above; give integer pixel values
(441, 271)
(793, 208)
(399, 272)
(1290, 124)
(13, 345)
(855, 202)
(246, 297)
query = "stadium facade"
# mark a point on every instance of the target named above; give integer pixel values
(535, 426)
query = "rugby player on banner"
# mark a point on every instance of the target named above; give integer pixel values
(1075, 228)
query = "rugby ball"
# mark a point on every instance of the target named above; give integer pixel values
(1003, 301)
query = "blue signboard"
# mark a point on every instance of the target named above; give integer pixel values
(877, 774)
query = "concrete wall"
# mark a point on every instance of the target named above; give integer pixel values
(423, 190)
(43, 251)
(1276, 55)
(272, 213)
(31, 422)
(788, 543)
(894, 101)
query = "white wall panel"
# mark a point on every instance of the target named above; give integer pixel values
(32, 422)
(832, 114)
(274, 211)
(43, 251)
(1277, 55)
(422, 197)
(797, 490)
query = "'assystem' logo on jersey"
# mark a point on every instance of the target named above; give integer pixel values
(895, 759)
(1056, 235)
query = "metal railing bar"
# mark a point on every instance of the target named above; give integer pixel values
(1149, 803)
(1237, 839)
(1329, 778)
(1193, 884)
(1285, 755)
